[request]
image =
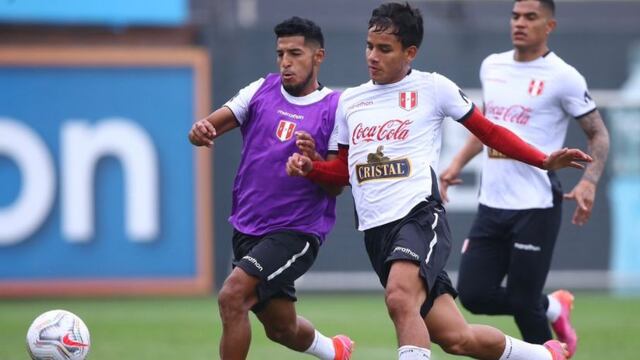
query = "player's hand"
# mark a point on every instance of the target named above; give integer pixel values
(202, 133)
(299, 165)
(566, 158)
(449, 177)
(307, 145)
(584, 194)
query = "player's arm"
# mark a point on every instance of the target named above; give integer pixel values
(307, 146)
(450, 176)
(584, 192)
(510, 144)
(217, 123)
(334, 171)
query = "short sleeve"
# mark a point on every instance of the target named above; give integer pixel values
(333, 138)
(451, 101)
(239, 104)
(342, 128)
(575, 97)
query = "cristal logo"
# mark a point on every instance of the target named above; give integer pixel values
(517, 114)
(390, 130)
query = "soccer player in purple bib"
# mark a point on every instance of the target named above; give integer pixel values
(279, 221)
(389, 137)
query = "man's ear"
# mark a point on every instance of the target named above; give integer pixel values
(318, 56)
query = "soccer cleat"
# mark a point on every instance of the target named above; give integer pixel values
(343, 347)
(557, 349)
(562, 326)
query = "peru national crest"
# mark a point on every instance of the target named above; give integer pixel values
(408, 100)
(536, 87)
(285, 130)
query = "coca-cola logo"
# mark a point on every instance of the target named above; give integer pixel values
(517, 114)
(390, 130)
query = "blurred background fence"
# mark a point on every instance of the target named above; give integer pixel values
(101, 193)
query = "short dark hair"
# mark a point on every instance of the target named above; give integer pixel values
(297, 26)
(549, 4)
(405, 20)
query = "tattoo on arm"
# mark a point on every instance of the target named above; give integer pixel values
(598, 142)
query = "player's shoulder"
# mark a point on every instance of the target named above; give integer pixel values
(561, 67)
(501, 58)
(356, 91)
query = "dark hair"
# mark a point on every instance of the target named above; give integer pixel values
(405, 21)
(297, 26)
(549, 4)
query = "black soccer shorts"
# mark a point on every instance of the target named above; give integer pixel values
(277, 259)
(423, 236)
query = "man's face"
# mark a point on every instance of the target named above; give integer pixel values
(388, 62)
(531, 24)
(297, 62)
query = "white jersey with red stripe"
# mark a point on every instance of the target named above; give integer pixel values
(394, 135)
(535, 100)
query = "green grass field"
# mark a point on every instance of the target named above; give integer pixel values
(140, 329)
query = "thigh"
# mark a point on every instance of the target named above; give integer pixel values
(533, 242)
(486, 253)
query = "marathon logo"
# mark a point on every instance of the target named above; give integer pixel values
(407, 251)
(253, 261)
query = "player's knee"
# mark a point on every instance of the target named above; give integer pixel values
(455, 342)
(399, 303)
(233, 298)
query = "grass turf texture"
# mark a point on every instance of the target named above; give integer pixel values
(175, 328)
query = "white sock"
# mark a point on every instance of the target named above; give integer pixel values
(554, 309)
(321, 347)
(519, 350)
(409, 352)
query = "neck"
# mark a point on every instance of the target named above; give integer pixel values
(305, 90)
(530, 54)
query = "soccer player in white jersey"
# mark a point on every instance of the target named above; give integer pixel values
(389, 142)
(534, 93)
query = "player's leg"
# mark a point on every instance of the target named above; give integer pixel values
(404, 294)
(484, 263)
(237, 295)
(407, 255)
(449, 329)
(285, 257)
(532, 249)
(284, 326)
(235, 299)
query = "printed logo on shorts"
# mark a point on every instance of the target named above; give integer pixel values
(285, 130)
(381, 167)
(253, 261)
(536, 87)
(406, 251)
(527, 247)
(408, 100)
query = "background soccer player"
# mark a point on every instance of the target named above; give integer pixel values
(389, 136)
(534, 93)
(279, 221)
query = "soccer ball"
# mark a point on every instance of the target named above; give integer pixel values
(58, 335)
